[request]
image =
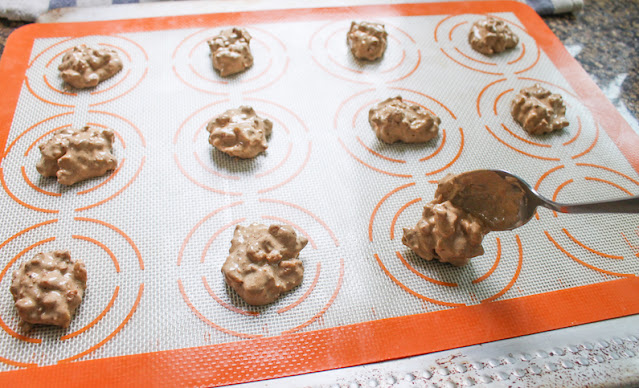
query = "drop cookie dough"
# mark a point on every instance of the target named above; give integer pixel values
(85, 67)
(491, 36)
(367, 40)
(496, 200)
(73, 155)
(263, 262)
(394, 120)
(240, 132)
(231, 52)
(446, 233)
(538, 110)
(48, 289)
(464, 210)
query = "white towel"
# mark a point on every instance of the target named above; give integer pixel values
(29, 10)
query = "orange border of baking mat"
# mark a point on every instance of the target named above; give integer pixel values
(360, 343)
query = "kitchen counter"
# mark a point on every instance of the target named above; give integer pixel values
(604, 38)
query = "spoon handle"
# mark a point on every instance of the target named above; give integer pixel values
(626, 205)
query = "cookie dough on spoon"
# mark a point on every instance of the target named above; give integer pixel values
(466, 207)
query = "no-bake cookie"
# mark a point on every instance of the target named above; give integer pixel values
(231, 52)
(465, 209)
(538, 110)
(367, 40)
(446, 233)
(491, 36)
(48, 289)
(73, 155)
(394, 120)
(85, 67)
(240, 132)
(263, 262)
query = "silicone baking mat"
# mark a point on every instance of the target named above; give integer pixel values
(156, 231)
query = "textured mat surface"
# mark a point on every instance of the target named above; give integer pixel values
(155, 233)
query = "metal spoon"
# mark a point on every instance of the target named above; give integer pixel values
(532, 199)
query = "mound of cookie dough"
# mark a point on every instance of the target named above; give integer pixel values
(539, 111)
(446, 233)
(394, 120)
(48, 289)
(85, 67)
(491, 36)
(240, 132)
(73, 155)
(230, 51)
(367, 40)
(466, 207)
(263, 262)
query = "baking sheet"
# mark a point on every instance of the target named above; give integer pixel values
(155, 234)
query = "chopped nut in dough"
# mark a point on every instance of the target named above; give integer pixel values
(446, 233)
(240, 132)
(85, 67)
(491, 36)
(48, 289)
(73, 155)
(367, 40)
(231, 52)
(394, 120)
(263, 262)
(539, 111)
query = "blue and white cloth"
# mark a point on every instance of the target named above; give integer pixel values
(29, 10)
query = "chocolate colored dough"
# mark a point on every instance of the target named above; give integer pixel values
(394, 120)
(491, 36)
(497, 201)
(231, 52)
(48, 289)
(73, 155)
(85, 67)
(538, 110)
(367, 40)
(464, 210)
(263, 262)
(240, 132)
(446, 233)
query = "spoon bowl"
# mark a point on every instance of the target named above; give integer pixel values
(532, 199)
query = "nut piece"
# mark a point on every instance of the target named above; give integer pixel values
(263, 262)
(85, 67)
(491, 36)
(240, 132)
(394, 120)
(538, 111)
(446, 233)
(48, 288)
(230, 51)
(367, 40)
(74, 155)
